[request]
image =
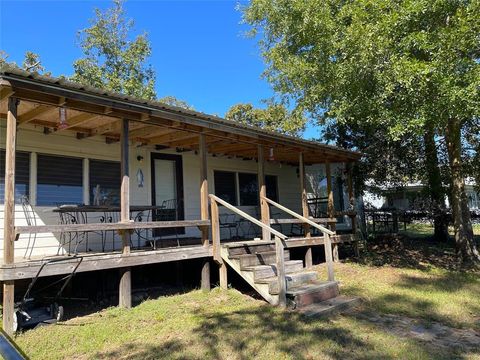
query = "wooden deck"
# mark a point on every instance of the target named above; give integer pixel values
(26, 269)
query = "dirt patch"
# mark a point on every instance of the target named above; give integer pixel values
(434, 333)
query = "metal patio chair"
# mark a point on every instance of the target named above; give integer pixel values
(31, 218)
(167, 212)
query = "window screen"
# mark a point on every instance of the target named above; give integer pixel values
(272, 187)
(104, 182)
(22, 175)
(59, 180)
(248, 187)
(225, 186)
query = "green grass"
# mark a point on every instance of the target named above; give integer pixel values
(231, 325)
(422, 230)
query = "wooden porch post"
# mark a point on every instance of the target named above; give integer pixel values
(205, 276)
(305, 212)
(9, 214)
(331, 206)
(125, 290)
(351, 198)
(262, 190)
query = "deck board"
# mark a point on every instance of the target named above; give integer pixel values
(101, 261)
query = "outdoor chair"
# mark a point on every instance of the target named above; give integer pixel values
(167, 212)
(31, 219)
(69, 238)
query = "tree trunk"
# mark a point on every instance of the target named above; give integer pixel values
(462, 223)
(435, 188)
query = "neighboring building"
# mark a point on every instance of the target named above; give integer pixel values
(412, 196)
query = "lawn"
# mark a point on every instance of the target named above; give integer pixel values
(408, 292)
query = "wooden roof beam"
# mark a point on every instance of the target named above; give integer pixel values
(34, 113)
(5, 92)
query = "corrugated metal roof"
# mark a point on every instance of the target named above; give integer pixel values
(8, 70)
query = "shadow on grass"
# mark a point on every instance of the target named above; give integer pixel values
(286, 334)
(134, 351)
(412, 253)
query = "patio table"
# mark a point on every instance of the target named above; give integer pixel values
(82, 214)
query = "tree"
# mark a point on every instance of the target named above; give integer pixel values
(111, 60)
(274, 117)
(32, 63)
(173, 101)
(408, 69)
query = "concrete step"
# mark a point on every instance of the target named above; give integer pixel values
(242, 249)
(308, 294)
(266, 271)
(330, 306)
(293, 280)
(263, 258)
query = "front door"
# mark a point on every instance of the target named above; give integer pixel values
(167, 191)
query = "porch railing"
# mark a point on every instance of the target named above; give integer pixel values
(326, 234)
(279, 242)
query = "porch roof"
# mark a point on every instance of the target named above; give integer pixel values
(96, 112)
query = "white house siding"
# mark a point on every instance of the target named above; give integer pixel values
(32, 139)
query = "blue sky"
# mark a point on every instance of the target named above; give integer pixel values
(200, 52)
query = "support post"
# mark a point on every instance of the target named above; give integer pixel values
(125, 288)
(351, 198)
(280, 264)
(305, 212)
(262, 191)
(223, 276)
(331, 206)
(205, 276)
(9, 214)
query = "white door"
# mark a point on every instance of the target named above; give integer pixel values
(165, 182)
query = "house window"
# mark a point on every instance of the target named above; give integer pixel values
(225, 186)
(59, 180)
(272, 187)
(104, 182)
(248, 189)
(22, 175)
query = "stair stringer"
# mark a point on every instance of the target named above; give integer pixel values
(262, 289)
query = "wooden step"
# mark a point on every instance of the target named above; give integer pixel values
(250, 249)
(263, 258)
(293, 280)
(308, 294)
(266, 271)
(327, 307)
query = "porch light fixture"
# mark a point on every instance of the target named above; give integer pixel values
(63, 118)
(271, 157)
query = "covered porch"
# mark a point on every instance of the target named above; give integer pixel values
(125, 182)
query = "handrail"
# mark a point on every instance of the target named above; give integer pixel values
(298, 216)
(248, 217)
(108, 226)
(279, 245)
(326, 234)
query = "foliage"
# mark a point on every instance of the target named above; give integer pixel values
(275, 117)
(394, 64)
(399, 70)
(173, 101)
(31, 62)
(111, 59)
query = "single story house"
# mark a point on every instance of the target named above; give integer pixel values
(125, 182)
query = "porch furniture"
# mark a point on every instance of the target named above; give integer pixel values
(84, 214)
(31, 219)
(168, 211)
